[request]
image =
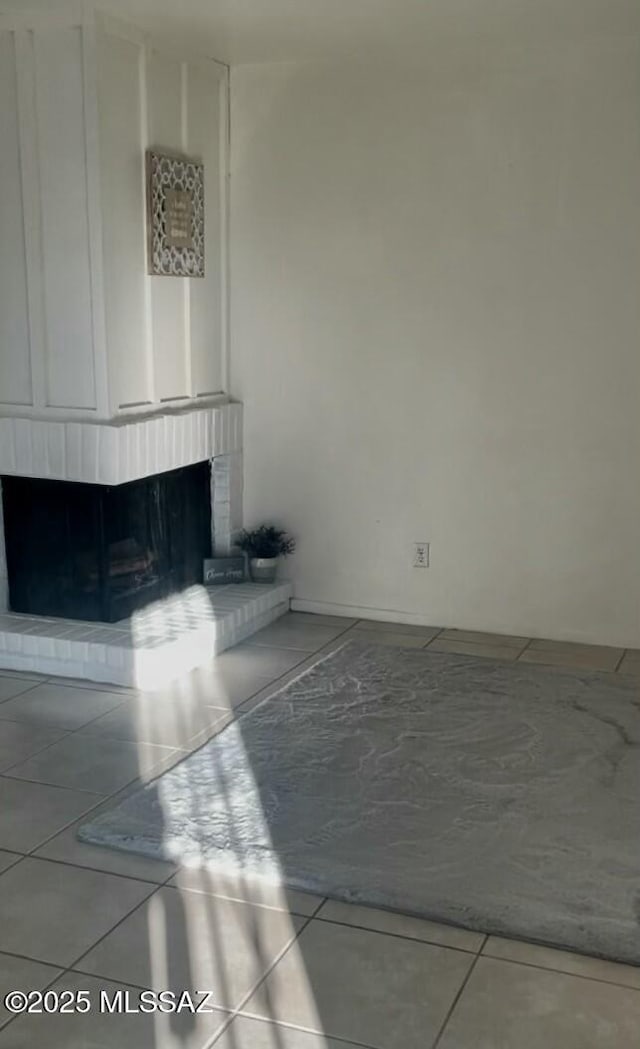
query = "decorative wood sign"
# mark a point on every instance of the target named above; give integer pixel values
(175, 215)
(217, 570)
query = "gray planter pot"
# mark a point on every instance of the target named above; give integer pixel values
(263, 569)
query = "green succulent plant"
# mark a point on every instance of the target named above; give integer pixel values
(266, 541)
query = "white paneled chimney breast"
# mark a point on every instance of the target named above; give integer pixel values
(85, 330)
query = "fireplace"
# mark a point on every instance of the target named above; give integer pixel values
(99, 552)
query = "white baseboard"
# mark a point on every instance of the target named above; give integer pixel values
(386, 615)
(389, 615)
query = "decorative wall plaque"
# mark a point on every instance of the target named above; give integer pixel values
(175, 215)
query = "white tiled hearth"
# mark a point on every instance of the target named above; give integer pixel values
(158, 644)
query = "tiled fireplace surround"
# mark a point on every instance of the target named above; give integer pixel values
(168, 637)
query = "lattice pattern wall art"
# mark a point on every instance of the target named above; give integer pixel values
(175, 215)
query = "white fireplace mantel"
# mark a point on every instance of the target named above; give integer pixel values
(115, 452)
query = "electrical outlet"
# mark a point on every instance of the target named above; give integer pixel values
(421, 555)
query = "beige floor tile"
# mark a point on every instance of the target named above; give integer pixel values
(231, 696)
(401, 925)
(192, 940)
(14, 686)
(66, 848)
(92, 763)
(219, 685)
(199, 686)
(362, 986)
(24, 675)
(387, 637)
(7, 859)
(201, 738)
(548, 645)
(479, 637)
(54, 913)
(318, 619)
(288, 632)
(563, 961)
(19, 741)
(158, 720)
(230, 679)
(60, 706)
(175, 756)
(630, 664)
(20, 974)
(561, 654)
(247, 890)
(117, 1030)
(261, 660)
(385, 627)
(468, 648)
(509, 1006)
(246, 1033)
(32, 812)
(95, 686)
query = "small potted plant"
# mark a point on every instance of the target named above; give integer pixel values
(263, 546)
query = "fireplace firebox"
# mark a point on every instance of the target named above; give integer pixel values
(94, 552)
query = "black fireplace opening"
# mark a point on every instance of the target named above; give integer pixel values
(98, 552)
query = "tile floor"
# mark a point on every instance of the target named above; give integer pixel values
(285, 970)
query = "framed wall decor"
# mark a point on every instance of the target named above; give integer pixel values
(175, 215)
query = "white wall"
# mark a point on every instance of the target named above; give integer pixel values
(435, 321)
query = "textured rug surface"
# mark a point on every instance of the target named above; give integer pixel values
(501, 797)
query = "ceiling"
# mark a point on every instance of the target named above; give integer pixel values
(238, 31)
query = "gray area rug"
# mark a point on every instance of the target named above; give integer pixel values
(501, 797)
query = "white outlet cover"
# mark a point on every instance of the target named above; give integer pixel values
(421, 555)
